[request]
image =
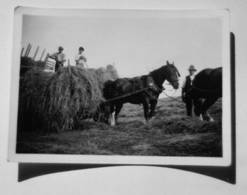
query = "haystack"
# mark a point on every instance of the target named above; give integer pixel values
(71, 95)
(28, 63)
(59, 101)
(104, 74)
(31, 90)
(112, 71)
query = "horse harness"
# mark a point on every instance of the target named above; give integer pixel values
(151, 86)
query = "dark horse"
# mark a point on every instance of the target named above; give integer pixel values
(143, 90)
(206, 89)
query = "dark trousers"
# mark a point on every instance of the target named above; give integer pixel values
(58, 65)
(189, 105)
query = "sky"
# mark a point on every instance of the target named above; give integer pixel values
(135, 45)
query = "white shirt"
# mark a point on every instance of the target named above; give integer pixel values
(60, 57)
(192, 78)
(80, 60)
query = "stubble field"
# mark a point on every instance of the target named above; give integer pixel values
(169, 133)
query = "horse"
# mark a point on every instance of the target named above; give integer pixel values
(205, 91)
(143, 90)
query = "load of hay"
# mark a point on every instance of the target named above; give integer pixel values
(31, 90)
(28, 63)
(71, 95)
(104, 74)
(59, 101)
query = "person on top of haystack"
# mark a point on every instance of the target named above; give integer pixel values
(186, 88)
(59, 57)
(80, 59)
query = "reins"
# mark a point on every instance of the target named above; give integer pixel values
(145, 91)
(128, 94)
(171, 97)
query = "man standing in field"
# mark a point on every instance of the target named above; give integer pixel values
(186, 88)
(59, 57)
(80, 59)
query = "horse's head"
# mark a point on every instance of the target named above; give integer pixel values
(167, 72)
(172, 74)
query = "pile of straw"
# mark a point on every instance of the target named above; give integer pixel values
(105, 74)
(31, 90)
(57, 101)
(28, 63)
(112, 71)
(53, 102)
(71, 95)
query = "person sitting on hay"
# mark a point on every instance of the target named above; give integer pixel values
(59, 57)
(187, 87)
(80, 59)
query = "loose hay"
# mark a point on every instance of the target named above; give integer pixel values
(28, 63)
(32, 86)
(58, 101)
(104, 74)
(71, 94)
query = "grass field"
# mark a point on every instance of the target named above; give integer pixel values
(169, 133)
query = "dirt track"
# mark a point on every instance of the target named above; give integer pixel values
(170, 133)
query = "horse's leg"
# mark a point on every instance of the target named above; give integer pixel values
(207, 103)
(153, 104)
(146, 110)
(106, 113)
(118, 109)
(112, 115)
(189, 104)
(198, 102)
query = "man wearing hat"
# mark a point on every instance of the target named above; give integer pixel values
(187, 87)
(59, 57)
(80, 59)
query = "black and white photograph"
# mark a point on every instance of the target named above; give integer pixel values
(121, 86)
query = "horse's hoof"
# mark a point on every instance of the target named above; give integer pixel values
(112, 124)
(211, 119)
(151, 120)
(206, 117)
(145, 122)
